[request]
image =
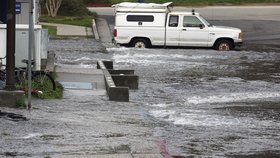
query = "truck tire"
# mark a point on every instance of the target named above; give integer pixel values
(224, 45)
(140, 43)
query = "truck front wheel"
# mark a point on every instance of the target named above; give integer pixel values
(224, 45)
(140, 43)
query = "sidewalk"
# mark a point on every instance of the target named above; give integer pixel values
(104, 30)
(100, 30)
(71, 30)
(82, 80)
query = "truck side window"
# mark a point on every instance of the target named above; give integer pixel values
(191, 21)
(142, 18)
(173, 21)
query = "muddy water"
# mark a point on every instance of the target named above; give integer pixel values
(198, 102)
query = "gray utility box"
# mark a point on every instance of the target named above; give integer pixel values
(40, 44)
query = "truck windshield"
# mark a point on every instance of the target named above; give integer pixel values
(205, 21)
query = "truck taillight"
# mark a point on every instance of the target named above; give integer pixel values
(115, 32)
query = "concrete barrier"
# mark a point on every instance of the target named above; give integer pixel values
(120, 94)
(115, 93)
(118, 82)
(130, 81)
(105, 65)
(11, 98)
(94, 29)
(121, 72)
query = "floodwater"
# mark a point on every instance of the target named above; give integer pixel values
(199, 102)
(214, 104)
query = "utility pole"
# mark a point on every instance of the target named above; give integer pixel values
(30, 50)
(10, 54)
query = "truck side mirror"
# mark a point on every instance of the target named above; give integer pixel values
(201, 26)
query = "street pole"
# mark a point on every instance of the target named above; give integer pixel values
(10, 53)
(30, 50)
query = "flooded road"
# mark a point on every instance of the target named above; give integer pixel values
(213, 104)
(197, 102)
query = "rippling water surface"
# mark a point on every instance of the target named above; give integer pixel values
(215, 103)
(202, 102)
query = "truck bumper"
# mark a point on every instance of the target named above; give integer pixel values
(238, 44)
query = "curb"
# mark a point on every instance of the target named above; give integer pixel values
(98, 5)
(94, 28)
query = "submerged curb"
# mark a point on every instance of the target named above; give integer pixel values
(94, 28)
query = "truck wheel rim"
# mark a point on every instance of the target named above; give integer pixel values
(140, 45)
(224, 47)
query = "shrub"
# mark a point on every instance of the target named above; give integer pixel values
(73, 8)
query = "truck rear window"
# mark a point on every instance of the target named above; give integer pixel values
(142, 18)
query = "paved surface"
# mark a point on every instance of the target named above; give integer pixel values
(104, 30)
(90, 80)
(71, 30)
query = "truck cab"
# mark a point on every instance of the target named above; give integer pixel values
(143, 25)
(191, 29)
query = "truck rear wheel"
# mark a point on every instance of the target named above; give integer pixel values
(140, 43)
(224, 45)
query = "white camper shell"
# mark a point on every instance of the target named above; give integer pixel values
(141, 14)
(149, 24)
(142, 7)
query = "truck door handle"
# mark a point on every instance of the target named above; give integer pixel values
(184, 29)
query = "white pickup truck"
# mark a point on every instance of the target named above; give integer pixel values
(143, 25)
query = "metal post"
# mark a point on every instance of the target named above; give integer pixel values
(30, 50)
(10, 54)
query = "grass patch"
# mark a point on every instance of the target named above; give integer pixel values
(20, 104)
(69, 20)
(41, 87)
(204, 2)
(52, 30)
(43, 90)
